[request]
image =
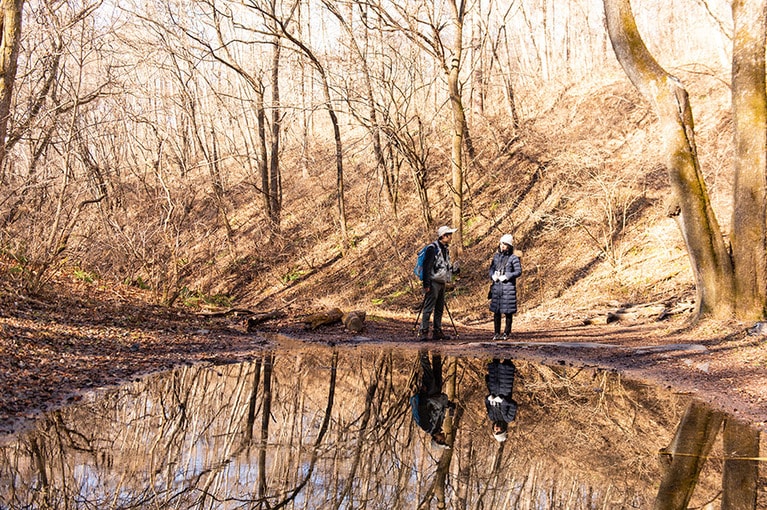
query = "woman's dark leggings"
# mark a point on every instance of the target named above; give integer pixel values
(497, 323)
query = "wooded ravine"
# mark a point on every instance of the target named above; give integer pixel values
(294, 156)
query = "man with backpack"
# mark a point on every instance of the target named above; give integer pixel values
(437, 271)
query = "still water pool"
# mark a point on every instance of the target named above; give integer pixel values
(336, 428)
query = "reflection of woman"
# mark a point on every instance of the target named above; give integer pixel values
(430, 403)
(504, 271)
(501, 408)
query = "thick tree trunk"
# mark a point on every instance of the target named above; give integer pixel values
(9, 52)
(749, 114)
(706, 248)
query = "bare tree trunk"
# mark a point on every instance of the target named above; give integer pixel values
(459, 121)
(275, 177)
(748, 236)
(263, 160)
(9, 52)
(508, 85)
(710, 260)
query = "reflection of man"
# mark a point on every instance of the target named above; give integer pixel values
(501, 408)
(429, 404)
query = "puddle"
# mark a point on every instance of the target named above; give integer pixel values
(335, 428)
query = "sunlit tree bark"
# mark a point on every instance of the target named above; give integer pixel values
(9, 52)
(458, 8)
(275, 176)
(709, 256)
(748, 237)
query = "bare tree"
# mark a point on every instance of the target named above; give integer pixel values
(283, 27)
(708, 252)
(385, 165)
(425, 29)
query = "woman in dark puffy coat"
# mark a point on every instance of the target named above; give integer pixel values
(501, 407)
(504, 271)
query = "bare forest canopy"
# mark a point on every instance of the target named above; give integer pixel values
(263, 151)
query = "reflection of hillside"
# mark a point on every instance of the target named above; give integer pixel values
(339, 434)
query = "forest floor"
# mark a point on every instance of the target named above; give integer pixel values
(56, 347)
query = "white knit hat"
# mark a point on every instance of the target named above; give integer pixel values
(500, 436)
(507, 239)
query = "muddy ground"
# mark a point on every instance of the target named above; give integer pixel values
(54, 349)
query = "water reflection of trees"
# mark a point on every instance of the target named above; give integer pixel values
(332, 429)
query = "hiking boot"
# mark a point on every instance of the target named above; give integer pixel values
(497, 337)
(439, 335)
(423, 335)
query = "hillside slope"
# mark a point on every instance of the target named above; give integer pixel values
(582, 187)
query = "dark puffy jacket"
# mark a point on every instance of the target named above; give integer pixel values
(500, 377)
(503, 295)
(500, 383)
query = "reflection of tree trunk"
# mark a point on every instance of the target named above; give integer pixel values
(309, 470)
(351, 475)
(252, 402)
(741, 469)
(266, 414)
(39, 461)
(688, 451)
(449, 426)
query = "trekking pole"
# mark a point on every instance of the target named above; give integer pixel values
(451, 319)
(420, 309)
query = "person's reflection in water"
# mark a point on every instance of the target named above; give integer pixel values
(501, 408)
(429, 404)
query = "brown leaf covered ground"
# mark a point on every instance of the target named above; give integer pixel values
(60, 344)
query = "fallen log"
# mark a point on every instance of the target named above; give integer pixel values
(224, 313)
(259, 318)
(326, 318)
(354, 320)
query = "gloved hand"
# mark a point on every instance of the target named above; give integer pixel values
(503, 278)
(496, 276)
